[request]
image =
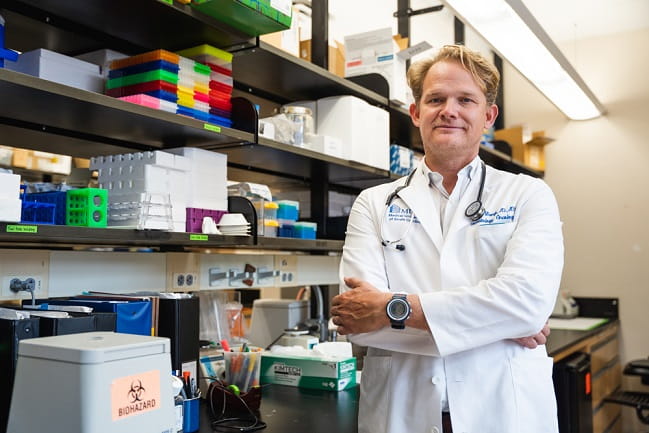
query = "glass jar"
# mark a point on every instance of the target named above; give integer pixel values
(302, 119)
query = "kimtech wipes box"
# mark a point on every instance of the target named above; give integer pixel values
(333, 374)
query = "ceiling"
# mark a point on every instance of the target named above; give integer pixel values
(568, 20)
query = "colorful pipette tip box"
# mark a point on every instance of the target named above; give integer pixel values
(144, 58)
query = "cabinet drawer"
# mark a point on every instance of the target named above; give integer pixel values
(602, 355)
(604, 417)
(606, 382)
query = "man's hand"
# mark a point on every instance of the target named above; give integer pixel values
(361, 309)
(535, 340)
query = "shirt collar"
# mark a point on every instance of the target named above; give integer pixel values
(435, 178)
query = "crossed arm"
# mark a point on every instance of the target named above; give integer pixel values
(362, 309)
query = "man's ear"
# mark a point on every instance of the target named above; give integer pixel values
(414, 114)
(492, 113)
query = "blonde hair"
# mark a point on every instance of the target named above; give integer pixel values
(484, 73)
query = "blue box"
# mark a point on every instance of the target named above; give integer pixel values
(305, 230)
(56, 198)
(288, 210)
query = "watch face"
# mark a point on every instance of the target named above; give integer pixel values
(398, 309)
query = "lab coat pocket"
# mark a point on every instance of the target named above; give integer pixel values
(536, 409)
(492, 241)
(375, 392)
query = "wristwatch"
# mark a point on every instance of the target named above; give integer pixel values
(398, 310)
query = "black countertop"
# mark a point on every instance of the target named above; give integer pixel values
(561, 339)
(287, 409)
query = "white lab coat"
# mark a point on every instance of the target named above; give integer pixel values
(480, 285)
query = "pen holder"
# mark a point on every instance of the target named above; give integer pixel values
(224, 402)
(191, 414)
(242, 369)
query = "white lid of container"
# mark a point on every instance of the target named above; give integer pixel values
(280, 303)
(93, 347)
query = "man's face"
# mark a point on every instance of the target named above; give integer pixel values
(452, 113)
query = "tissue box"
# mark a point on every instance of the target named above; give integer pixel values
(304, 372)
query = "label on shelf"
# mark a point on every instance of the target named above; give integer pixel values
(197, 237)
(211, 127)
(12, 228)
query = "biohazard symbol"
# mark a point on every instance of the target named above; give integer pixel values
(136, 391)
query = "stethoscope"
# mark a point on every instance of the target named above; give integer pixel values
(474, 211)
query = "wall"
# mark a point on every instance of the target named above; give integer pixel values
(599, 172)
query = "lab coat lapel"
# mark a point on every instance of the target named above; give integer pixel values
(417, 197)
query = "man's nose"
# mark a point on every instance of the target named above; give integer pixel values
(449, 108)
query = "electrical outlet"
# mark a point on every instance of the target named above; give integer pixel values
(287, 267)
(184, 281)
(19, 282)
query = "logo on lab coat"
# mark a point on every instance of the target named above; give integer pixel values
(398, 213)
(501, 216)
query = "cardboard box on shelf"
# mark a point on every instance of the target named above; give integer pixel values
(42, 161)
(527, 147)
(336, 56)
(377, 51)
(286, 40)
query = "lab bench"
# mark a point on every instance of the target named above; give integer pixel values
(602, 345)
(287, 409)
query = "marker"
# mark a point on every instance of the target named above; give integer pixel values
(225, 345)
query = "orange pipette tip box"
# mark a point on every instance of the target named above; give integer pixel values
(146, 57)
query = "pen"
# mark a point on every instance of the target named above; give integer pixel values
(251, 368)
(225, 345)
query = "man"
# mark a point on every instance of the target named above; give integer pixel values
(479, 253)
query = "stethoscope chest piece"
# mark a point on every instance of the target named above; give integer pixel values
(474, 211)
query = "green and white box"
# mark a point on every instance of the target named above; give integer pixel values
(309, 372)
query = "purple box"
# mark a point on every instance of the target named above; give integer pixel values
(194, 218)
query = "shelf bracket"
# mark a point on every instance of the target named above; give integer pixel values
(409, 12)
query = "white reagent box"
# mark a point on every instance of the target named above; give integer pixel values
(94, 382)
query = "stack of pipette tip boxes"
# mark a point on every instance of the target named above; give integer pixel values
(220, 80)
(147, 190)
(167, 81)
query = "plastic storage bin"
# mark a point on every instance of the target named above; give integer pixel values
(288, 210)
(305, 230)
(270, 228)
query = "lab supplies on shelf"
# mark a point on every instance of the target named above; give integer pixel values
(10, 204)
(60, 68)
(363, 129)
(178, 80)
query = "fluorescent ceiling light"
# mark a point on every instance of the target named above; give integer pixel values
(509, 27)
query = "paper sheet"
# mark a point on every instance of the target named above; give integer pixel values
(578, 323)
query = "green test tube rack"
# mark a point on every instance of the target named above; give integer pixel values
(87, 207)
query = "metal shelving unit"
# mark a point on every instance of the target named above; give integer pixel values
(44, 115)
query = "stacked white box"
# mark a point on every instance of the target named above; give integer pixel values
(152, 184)
(10, 204)
(363, 129)
(207, 188)
(60, 68)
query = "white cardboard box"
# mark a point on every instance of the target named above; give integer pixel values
(376, 52)
(326, 144)
(308, 372)
(60, 68)
(363, 129)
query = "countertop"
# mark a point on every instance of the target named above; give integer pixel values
(561, 339)
(288, 409)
